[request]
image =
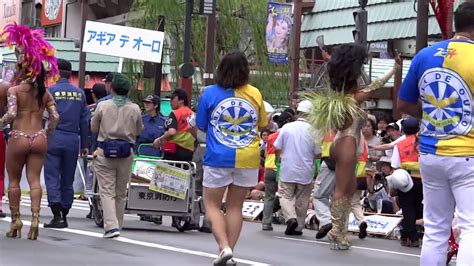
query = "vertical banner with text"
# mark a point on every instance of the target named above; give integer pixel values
(278, 30)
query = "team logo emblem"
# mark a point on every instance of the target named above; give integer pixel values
(447, 103)
(234, 122)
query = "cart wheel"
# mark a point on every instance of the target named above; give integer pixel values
(97, 208)
(180, 223)
(98, 212)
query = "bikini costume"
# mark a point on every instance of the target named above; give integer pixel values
(331, 110)
(35, 56)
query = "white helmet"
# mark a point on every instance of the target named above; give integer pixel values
(304, 106)
(400, 179)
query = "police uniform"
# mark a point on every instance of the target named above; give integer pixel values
(63, 148)
(154, 127)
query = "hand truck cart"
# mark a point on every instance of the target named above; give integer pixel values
(177, 183)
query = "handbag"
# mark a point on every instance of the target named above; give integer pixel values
(169, 147)
(116, 148)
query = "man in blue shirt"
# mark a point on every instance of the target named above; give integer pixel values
(154, 126)
(63, 146)
(108, 87)
(439, 89)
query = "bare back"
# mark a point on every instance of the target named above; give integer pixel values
(29, 118)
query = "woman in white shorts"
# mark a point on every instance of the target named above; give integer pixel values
(231, 112)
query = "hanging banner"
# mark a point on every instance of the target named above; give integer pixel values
(52, 12)
(279, 24)
(120, 41)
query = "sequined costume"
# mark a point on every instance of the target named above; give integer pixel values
(26, 103)
(341, 111)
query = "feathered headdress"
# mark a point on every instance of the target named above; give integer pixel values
(31, 50)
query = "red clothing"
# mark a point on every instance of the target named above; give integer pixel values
(261, 174)
(270, 152)
(2, 166)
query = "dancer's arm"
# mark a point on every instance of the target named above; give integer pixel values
(53, 115)
(366, 93)
(12, 108)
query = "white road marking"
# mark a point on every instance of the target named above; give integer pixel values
(142, 243)
(354, 247)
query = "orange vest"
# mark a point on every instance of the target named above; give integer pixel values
(326, 145)
(270, 156)
(183, 137)
(409, 155)
(362, 161)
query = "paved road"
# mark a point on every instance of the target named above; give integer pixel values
(144, 243)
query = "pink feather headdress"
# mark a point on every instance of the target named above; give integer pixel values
(32, 50)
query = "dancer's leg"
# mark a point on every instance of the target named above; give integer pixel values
(233, 217)
(16, 156)
(34, 164)
(344, 153)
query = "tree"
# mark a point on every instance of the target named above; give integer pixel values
(240, 25)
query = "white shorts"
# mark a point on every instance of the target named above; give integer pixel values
(221, 177)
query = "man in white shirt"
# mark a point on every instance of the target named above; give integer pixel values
(298, 150)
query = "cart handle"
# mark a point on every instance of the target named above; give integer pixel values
(146, 145)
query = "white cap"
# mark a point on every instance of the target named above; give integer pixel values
(400, 179)
(304, 106)
(383, 159)
(268, 107)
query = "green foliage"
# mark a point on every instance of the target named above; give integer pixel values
(240, 25)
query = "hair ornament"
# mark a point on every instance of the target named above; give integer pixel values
(31, 50)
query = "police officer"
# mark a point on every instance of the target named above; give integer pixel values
(154, 126)
(108, 87)
(63, 146)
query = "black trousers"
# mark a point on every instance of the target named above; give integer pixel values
(181, 154)
(412, 207)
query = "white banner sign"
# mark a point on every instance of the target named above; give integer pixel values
(376, 224)
(120, 41)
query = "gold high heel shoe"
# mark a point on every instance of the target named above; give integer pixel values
(33, 233)
(339, 216)
(16, 224)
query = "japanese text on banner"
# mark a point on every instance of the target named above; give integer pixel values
(120, 41)
(170, 180)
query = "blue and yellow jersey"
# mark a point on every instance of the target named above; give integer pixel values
(232, 119)
(442, 77)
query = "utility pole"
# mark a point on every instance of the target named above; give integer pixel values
(360, 20)
(82, 55)
(187, 69)
(449, 26)
(159, 66)
(210, 46)
(295, 53)
(422, 24)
